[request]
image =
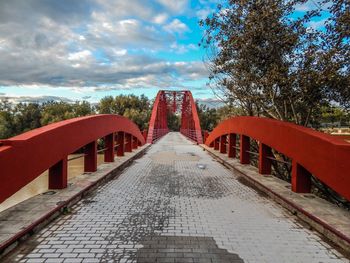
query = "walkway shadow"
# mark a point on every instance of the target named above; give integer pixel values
(183, 249)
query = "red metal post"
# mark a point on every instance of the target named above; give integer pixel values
(174, 102)
(121, 143)
(206, 134)
(109, 151)
(217, 144)
(301, 178)
(232, 145)
(245, 147)
(128, 143)
(264, 161)
(90, 159)
(134, 142)
(58, 174)
(144, 133)
(223, 143)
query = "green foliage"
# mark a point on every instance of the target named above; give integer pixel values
(137, 109)
(174, 121)
(268, 64)
(22, 117)
(208, 117)
(6, 125)
(334, 116)
(58, 111)
(27, 117)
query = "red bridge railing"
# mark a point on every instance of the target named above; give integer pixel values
(312, 152)
(24, 157)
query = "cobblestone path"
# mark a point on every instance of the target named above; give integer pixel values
(176, 204)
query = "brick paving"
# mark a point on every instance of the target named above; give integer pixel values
(176, 204)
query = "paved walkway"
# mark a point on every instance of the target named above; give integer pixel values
(176, 204)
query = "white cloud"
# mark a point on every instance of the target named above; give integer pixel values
(204, 12)
(178, 6)
(312, 5)
(176, 26)
(120, 52)
(161, 18)
(110, 44)
(181, 49)
(317, 24)
(81, 55)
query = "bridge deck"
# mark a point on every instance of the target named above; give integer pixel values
(176, 204)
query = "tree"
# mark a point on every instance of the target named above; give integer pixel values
(107, 106)
(173, 121)
(136, 108)
(56, 111)
(336, 52)
(7, 128)
(83, 108)
(265, 62)
(208, 117)
(27, 117)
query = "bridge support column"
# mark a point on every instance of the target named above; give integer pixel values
(90, 159)
(223, 144)
(217, 144)
(232, 145)
(205, 136)
(121, 143)
(109, 145)
(245, 147)
(134, 142)
(144, 133)
(128, 143)
(264, 161)
(58, 174)
(301, 179)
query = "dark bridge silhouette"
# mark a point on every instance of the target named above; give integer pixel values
(23, 158)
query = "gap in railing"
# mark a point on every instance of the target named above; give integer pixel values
(281, 166)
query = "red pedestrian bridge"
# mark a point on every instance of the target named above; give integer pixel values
(236, 142)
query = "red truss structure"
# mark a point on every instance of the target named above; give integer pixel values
(174, 101)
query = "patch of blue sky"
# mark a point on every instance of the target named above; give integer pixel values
(100, 56)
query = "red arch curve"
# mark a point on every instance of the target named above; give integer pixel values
(26, 156)
(322, 155)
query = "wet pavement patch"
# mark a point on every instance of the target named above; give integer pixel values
(171, 183)
(183, 249)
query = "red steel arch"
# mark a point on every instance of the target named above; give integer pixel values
(167, 101)
(190, 125)
(312, 152)
(24, 157)
(158, 125)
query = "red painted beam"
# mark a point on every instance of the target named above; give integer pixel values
(26, 156)
(320, 154)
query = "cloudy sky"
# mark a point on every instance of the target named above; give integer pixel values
(87, 49)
